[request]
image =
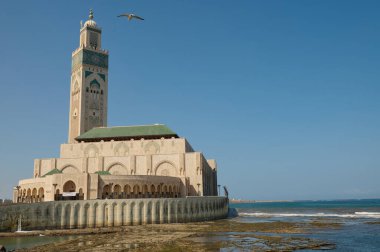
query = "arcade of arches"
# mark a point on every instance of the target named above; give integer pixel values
(132, 187)
(31, 195)
(127, 191)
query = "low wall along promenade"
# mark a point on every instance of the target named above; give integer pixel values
(111, 212)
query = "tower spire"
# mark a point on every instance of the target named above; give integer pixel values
(91, 16)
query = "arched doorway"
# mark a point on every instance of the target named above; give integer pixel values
(34, 195)
(41, 194)
(145, 191)
(116, 192)
(29, 196)
(152, 191)
(106, 192)
(127, 191)
(81, 194)
(69, 186)
(69, 192)
(136, 191)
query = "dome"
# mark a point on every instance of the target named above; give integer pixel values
(90, 22)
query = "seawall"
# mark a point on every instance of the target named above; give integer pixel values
(111, 212)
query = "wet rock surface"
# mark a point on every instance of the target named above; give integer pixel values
(204, 236)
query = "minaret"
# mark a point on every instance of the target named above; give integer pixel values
(89, 82)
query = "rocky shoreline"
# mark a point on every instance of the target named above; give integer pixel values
(202, 236)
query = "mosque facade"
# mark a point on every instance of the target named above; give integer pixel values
(100, 162)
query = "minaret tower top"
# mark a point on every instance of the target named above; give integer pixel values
(90, 33)
(89, 82)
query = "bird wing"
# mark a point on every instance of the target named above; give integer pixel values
(134, 16)
(124, 15)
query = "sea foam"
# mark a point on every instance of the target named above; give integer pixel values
(345, 215)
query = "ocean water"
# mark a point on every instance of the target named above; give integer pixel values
(360, 219)
(13, 243)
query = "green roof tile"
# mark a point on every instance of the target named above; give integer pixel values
(103, 172)
(54, 171)
(127, 132)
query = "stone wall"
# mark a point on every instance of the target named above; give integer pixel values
(111, 212)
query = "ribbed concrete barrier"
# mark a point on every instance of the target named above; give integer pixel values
(111, 212)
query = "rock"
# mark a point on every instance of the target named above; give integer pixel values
(2, 249)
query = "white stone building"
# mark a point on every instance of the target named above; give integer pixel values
(99, 162)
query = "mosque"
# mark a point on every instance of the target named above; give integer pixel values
(100, 162)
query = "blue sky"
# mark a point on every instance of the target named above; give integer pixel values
(283, 94)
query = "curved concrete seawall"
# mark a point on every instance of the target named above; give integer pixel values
(111, 212)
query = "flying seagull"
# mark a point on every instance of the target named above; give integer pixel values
(130, 16)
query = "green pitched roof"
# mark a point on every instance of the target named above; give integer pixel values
(103, 172)
(127, 132)
(54, 171)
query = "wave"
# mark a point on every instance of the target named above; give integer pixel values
(375, 215)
